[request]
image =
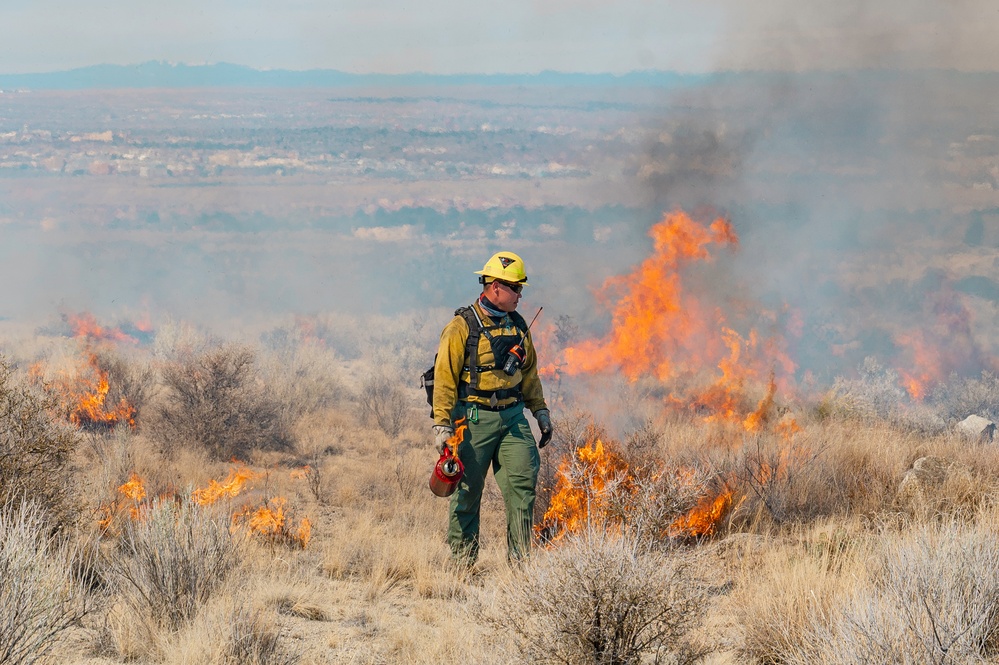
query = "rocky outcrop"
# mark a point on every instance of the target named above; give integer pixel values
(926, 480)
(977, 428)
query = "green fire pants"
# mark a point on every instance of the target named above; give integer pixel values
(502, 439)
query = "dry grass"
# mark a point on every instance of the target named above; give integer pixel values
(925, 595)
(602, 598)
(35, 449)
(818, 530)
(39, 598)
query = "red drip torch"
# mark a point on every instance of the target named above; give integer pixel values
(448, 471)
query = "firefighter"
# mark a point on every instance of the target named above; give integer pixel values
(489, 386)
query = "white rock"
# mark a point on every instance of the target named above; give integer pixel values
(978, 428)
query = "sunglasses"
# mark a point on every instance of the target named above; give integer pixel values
(516, 288)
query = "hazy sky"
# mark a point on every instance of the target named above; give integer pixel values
(450, 36)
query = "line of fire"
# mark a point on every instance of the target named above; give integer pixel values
(703, 356)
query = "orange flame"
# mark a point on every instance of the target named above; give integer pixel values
(458, 436)
(270, 521)
(661, 328)
(85, 324)
(581, 489)
(84, 396)
(755, 421)
(226, 489)
(787, 428)
(583, 496)
(704, 518)
(944, 344)
(134, 489)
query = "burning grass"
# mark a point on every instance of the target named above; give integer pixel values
(686, 482)
(83, 394)
(596, 489)
(267, 518)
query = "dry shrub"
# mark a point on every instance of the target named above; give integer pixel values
(778, 600)
(214, 400)
(877, 397)
(34, 449)
(176, 340)
(600, 598)
(960, 397)
(129, 378)
(246, 636)
(172, 560)
(932, 597)
(659, 496)
(39, 598)
(302, 379)
(384, 403)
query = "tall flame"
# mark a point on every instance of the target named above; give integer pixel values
(659, 327)
(655, 324)
(581, 489)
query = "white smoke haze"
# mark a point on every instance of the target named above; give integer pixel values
(852, 170)
(785, 35)
(859, 173)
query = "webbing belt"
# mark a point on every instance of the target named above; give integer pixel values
(465, 391)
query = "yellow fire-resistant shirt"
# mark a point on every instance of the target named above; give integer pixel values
(451, 368)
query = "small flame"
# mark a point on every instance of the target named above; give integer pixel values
(944, 343)
(85, 325)
(270, 521)
(84, 396)
(134, 489)
(231, 487)
(755, 421)
(704, 518)
(458, 436)
(787, 428)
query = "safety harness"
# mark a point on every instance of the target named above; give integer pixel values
(475, 330)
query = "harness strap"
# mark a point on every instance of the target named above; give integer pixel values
(472, 342)
(475, 329)
(467, 391)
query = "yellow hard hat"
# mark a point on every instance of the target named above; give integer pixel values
(506, 266)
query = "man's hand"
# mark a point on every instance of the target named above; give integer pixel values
(544, 418)
(441, 435)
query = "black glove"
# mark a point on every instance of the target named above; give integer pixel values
(544, 418)
(441, 435)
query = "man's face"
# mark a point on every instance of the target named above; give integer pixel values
(504, 295)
